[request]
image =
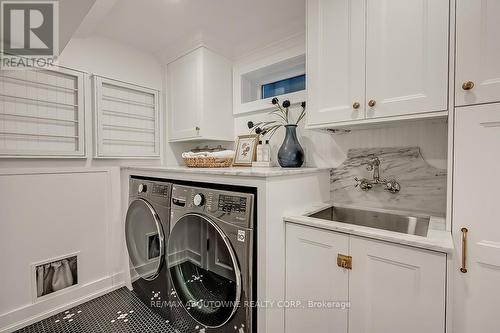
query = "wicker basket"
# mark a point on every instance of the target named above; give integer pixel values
(208, 162)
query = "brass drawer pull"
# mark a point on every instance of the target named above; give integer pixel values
(344, 261)
(463, 269)
(372, 103)
(356, 105)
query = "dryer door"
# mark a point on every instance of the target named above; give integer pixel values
(145, 240)
(204, 270)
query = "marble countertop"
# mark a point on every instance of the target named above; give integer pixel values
(232, 171)
(438, 239)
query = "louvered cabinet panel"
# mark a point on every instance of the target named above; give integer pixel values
(127, 120)
(41, 113)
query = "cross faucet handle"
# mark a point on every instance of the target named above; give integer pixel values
(358, 181)
(364, 184)
(392, 186)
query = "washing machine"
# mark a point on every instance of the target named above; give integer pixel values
(146, 231)
(210, 259)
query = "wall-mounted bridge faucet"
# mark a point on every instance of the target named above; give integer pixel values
(366, 184)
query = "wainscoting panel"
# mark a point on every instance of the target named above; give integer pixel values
(49, 214)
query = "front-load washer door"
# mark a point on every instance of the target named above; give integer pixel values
(145, 240)
(204, 270)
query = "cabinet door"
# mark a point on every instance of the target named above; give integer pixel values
(407, 56)
(396, 289)
(478, 51)
(312, 275)
(475, 206)
(335, 60)
(184, 96)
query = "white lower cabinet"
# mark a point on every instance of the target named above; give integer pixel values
(391, 288)
(395, 289)
(312, 274)
(475, 207)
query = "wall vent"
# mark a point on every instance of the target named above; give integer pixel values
(54, 275)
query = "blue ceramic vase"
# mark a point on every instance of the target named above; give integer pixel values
(291, 154)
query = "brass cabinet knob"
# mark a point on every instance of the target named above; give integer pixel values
(197, 128)
(356, 105)
(468, 85)
(371, 103)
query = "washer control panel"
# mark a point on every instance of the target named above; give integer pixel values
(157, 192)
(160, 190)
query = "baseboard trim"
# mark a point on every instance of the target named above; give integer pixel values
(89, 291)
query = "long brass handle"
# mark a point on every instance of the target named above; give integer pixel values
(463, 269)
(468, 85)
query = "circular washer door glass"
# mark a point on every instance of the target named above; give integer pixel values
(204, 270)
(145, 239)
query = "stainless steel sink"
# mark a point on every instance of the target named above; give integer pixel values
(412, 224)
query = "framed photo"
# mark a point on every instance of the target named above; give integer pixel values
(246, 149)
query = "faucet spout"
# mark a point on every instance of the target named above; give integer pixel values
(374, 165)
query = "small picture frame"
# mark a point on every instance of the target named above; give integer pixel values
(246, 149)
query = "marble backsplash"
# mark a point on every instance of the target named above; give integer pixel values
(423, 187)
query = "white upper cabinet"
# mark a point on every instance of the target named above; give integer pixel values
(376, 60)
(199, 86)
(478, 52)
(406, 56)
(335, 60)
(184, 96)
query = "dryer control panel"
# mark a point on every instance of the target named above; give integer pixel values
(232, 204)
(232, 207)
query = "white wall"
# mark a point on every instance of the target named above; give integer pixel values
(53, 207)
(330, 150)
(108, 58)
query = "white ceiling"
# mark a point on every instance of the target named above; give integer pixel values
(168, 28)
